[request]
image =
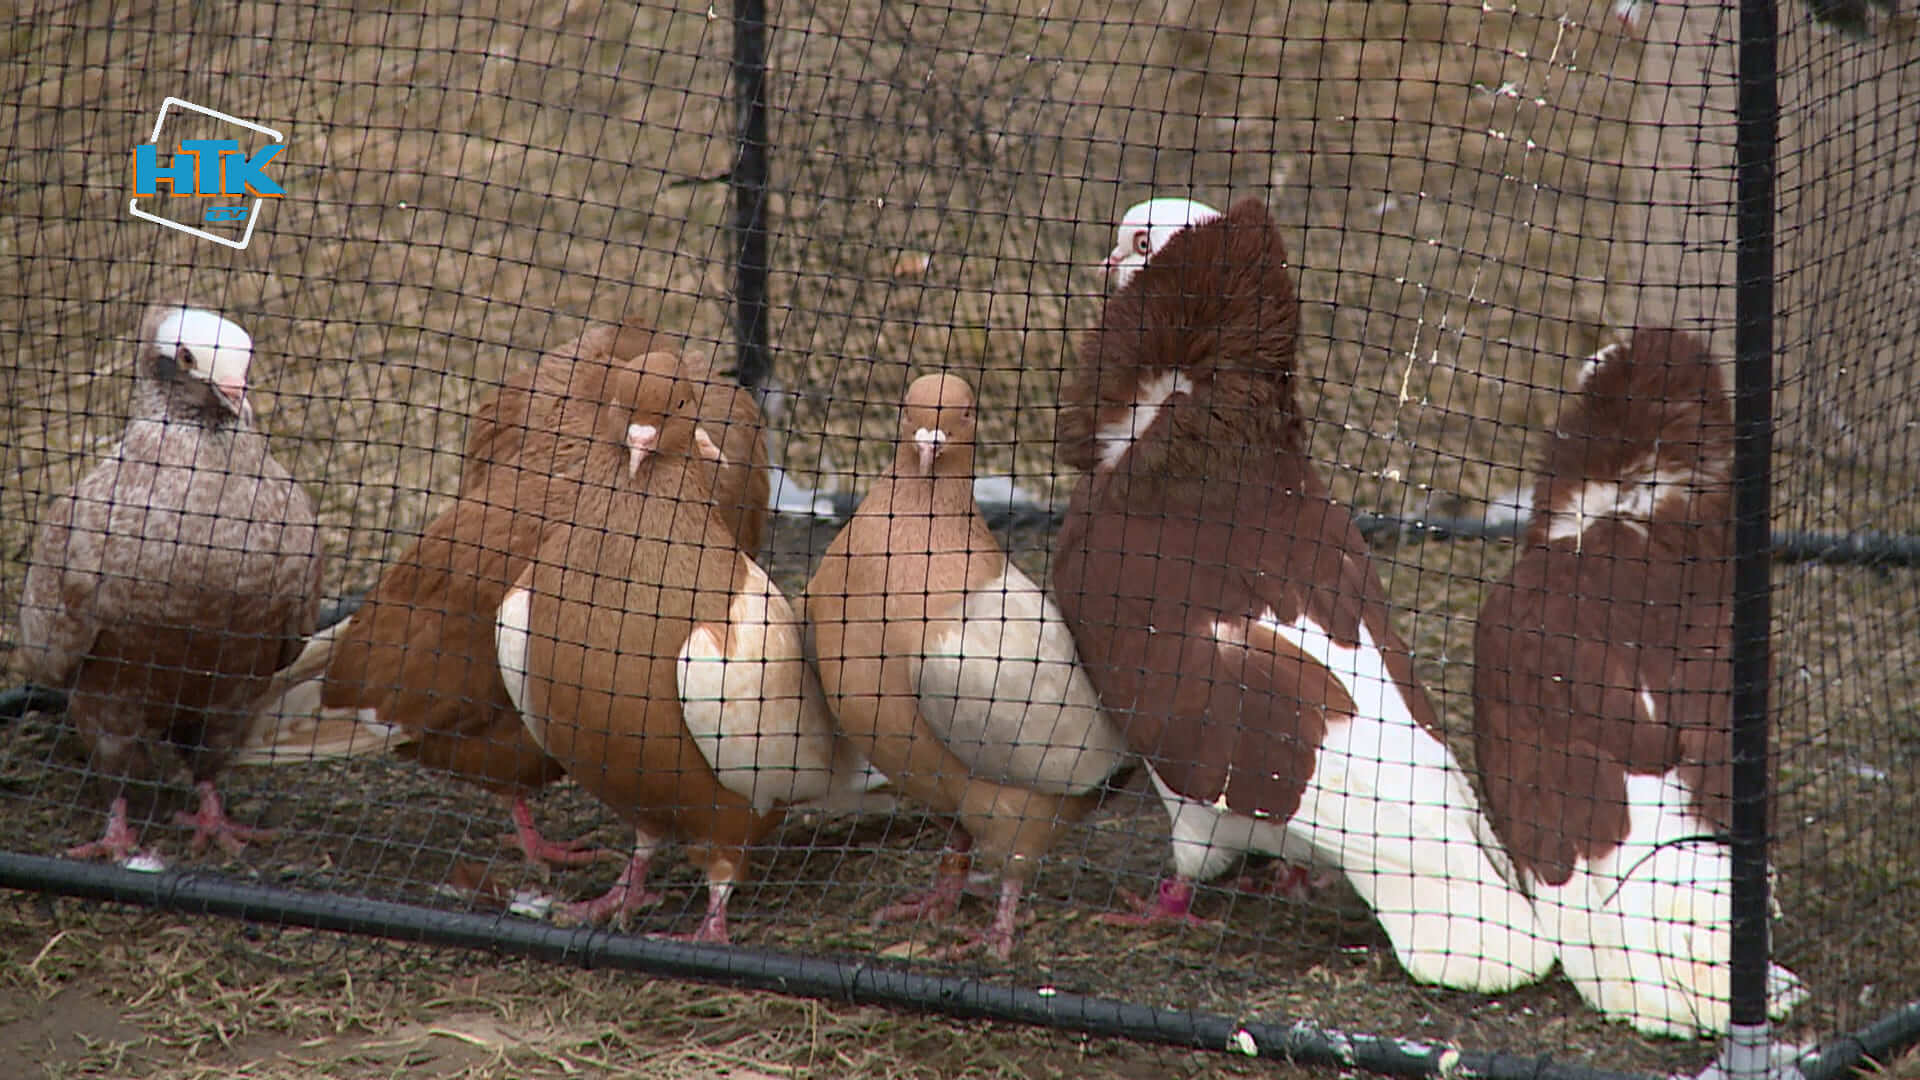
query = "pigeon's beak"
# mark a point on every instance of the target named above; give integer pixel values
(234, 393)
(708, 449)
(927, 441)
(641, 439)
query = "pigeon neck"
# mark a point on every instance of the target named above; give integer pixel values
(938, 497)
(186, 400)
(1214, 470)
(672, 476)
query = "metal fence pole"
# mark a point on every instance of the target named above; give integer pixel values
(748, 183)
(1757, 119)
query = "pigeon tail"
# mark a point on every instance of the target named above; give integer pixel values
(1643, 931)
(290, 726)
(1390, 806)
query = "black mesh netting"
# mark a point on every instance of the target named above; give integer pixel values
(1470, 200)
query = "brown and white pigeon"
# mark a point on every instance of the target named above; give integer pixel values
(1229, 615)
(168, 585)
(658, 663)
(1603, 679)
(950, 669)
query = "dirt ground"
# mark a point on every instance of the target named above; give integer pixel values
(1474, 198)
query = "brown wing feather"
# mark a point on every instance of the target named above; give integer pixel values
(1564, 649)
(57, 625)
(1610, 653)
(1145, 582)
(421, 648)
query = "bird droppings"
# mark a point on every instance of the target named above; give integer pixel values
(1337, 1042)
(530, 904)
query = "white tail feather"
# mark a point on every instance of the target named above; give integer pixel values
(291, 727)
(1644, 930)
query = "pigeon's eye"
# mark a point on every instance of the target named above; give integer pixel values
(1142, 244)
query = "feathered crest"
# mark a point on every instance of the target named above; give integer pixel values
(1649, 439)
(1213, 313)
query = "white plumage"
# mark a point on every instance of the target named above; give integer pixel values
(1389, 807)
(754, 707)
(1144, 230)
(1644, 930)
(1003, 687)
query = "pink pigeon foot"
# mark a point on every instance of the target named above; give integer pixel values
(1172, 902)
(212, 823)
(542, 852)
(938, 904)
(997, 938)
(117, 843)
(713, 928)
(628, 895)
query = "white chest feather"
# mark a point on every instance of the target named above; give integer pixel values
(511, 631)
(1002, 685)
(754, 706)
(1633, 501)
(1119, 432)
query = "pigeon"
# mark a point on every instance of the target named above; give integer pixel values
(1144, 230)
(1603, 690)
(171, 582)
(951, 670)
(1232, 623)
(414, 670)
(659, 664)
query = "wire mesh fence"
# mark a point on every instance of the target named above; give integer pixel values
(1202, 684)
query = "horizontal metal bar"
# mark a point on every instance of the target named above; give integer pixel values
(854, 981)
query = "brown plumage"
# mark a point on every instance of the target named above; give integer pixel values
(1231, 620)
(419, 652)
(413, 671)
(949, 668)
(654, 659)
(167, 586)
(524, 426)
(1602, 689)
